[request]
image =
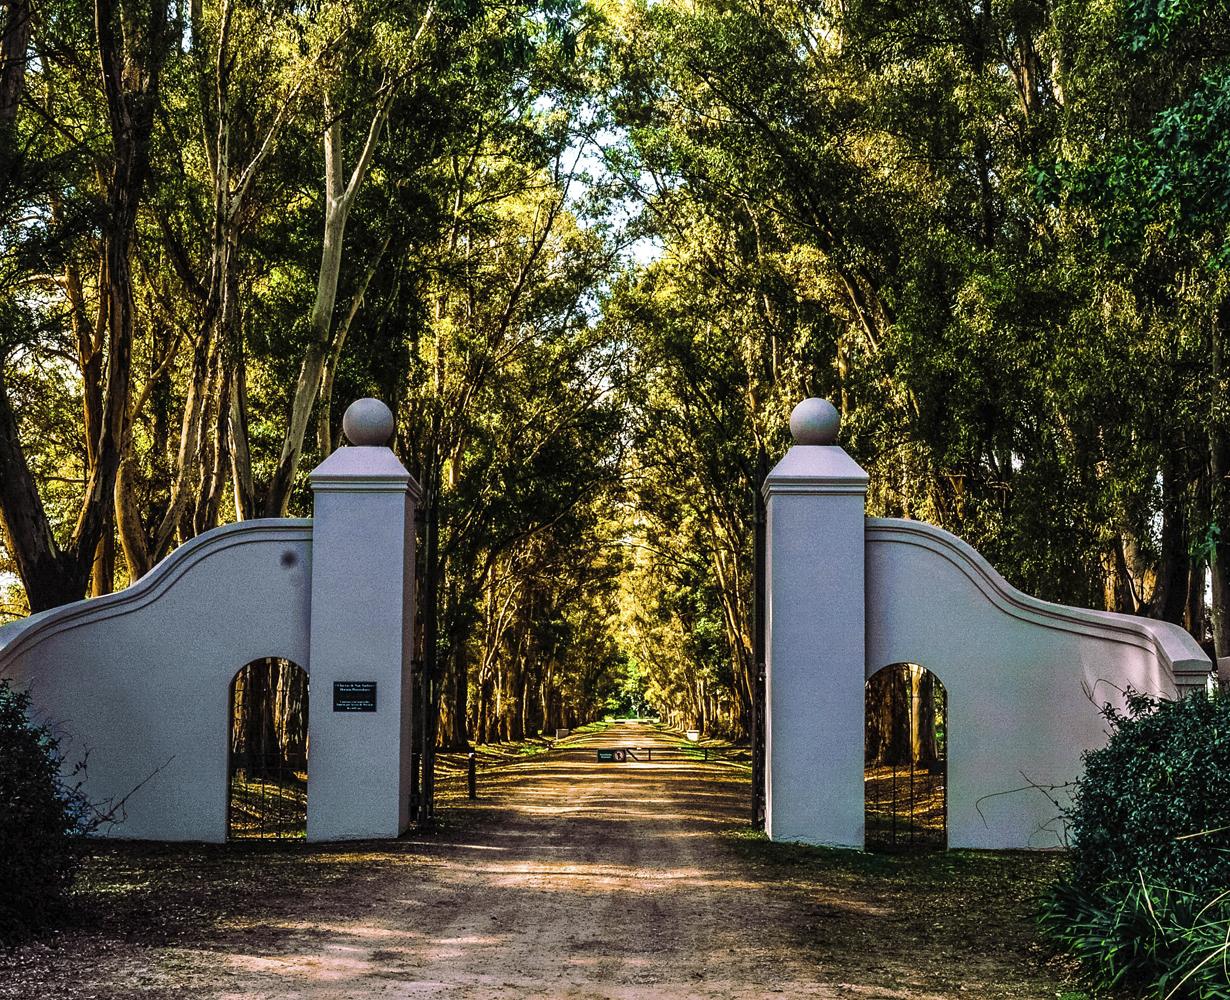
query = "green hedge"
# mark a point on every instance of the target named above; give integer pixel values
(1146, 901)
(41, 822)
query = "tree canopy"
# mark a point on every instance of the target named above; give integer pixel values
(591, 252)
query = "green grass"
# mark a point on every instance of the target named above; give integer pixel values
(453, 764)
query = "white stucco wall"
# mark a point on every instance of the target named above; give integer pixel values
(362, 630)
(141, 679)
(815, 646)
(1024, 678)
(138, 683)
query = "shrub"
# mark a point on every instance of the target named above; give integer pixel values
(1156, 800)
(41, 821)
(1145, 901)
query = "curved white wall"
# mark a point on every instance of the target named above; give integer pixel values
(1019, 673)
(141, 679)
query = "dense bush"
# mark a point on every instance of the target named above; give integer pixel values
(1145, 902)
(41, 821)
(1156, 800)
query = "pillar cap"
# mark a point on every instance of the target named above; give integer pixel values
(368, 423)
(815, 421)
(368, 465)
(816, 464)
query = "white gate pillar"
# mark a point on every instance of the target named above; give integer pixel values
(362, 635)
(816, 645)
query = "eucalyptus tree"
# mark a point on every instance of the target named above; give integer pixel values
(388, 46)
(1140, 170)
(902, 198)
(994, 235)
(241, 83)
(547, 653)
(711, 386)
(131, 44)
(510, 416)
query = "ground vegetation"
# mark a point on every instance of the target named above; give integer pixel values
(1142, 900)
(42, 822)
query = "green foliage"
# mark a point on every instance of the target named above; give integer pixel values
(1144, 902)
(1164, 165)
(1153, 23)
(601, 249)
(1155, 940)
(629, 698)
(1155, 801)
(992, 234)
(41, 821)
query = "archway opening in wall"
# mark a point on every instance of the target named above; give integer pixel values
(267, 775)
(906, 760)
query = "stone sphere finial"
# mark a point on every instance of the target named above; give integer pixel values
(368, 423)
(815, 421)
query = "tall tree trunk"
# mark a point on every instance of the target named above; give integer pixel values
(131, 71)
(899, 741)
(51, 577)
(90, 339)
(324, 419)
(482, 717)
(213, 430)
(240, 450)
(131, 55)
(1170, 600)
(260, 736)
(187, 454)
(133, 540)
(523, 706)
(14, 49)
(928, 710)
(1193, 614)
(457, 735)
(339, 198)
(1219, 492)
(102, 572)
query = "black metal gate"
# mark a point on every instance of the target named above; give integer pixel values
(267, 794)
(906, 762)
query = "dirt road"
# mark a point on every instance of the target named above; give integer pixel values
(580, 879)
(573, 878)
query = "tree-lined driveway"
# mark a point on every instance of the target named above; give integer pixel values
(574, 878)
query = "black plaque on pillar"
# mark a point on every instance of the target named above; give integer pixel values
(354, 696)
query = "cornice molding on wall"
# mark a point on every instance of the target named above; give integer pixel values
(1172, 645)
(21, 635)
